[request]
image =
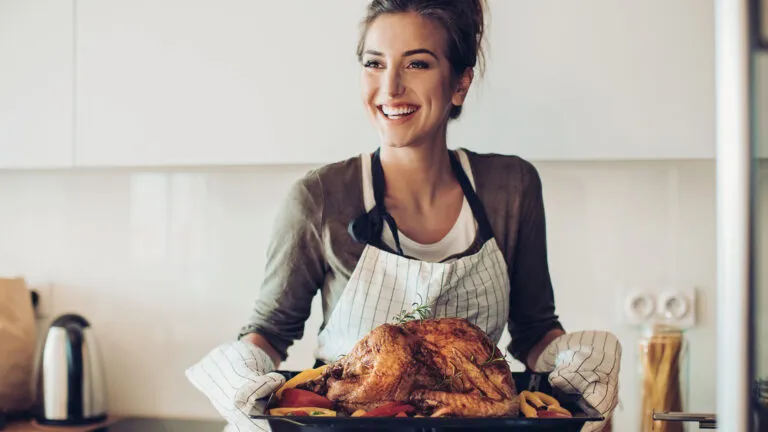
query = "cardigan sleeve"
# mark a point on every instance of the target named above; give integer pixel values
(295, 270)
(532, 304)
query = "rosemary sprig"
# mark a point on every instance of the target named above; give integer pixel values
(419, 312)
(449, 380)
(492, 359)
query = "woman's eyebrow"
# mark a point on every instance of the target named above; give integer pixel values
(405, 54)
(420, 51)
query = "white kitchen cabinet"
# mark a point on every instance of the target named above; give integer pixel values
(596, 80)
(194, 82)
(198, 82)
(36, 83)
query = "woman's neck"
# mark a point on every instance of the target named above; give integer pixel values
(415, 176)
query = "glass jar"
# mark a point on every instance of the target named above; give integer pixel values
(664, 374)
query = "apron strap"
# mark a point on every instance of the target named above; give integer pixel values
(380, 213)
(367, 228)
(478, 210)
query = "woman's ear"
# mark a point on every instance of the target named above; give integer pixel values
(462, 87)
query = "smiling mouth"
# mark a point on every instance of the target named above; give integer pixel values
(398, 112)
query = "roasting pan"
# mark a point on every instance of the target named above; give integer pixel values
(523, 381)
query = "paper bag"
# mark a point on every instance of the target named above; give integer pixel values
(17, 346)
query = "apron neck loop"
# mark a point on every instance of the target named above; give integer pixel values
(377, 175)
(478, 210)
(393, 228)
(379, 212)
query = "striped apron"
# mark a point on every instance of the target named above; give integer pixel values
(385, 285)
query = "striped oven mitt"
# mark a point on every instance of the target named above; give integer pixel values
(585, 363)
(237, 378)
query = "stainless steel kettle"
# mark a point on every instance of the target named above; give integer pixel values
(71, 389)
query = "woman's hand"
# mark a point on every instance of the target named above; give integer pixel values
(585, 363)
(237, 378)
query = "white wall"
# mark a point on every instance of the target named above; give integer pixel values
(166, 264)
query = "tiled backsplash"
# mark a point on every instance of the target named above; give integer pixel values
(166, 264)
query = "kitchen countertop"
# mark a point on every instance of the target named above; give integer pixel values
(32, 426)
(124, 424)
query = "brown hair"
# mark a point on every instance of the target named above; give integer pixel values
(462, 21)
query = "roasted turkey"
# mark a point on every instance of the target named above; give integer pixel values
(440, 366)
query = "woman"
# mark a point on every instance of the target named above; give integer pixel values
(460, 232)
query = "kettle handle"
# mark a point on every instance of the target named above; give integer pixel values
(35, 298)
(68, 319)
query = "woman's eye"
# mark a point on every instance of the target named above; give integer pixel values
(372, 64)
(418, 64)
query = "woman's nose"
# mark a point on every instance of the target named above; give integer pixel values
(393, 83)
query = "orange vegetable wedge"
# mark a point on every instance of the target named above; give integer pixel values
(307, 375)
(311, 411)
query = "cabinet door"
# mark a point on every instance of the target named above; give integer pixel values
(36, 82)
(190, 82)
(595, 80)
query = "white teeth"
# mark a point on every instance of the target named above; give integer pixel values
(398, 111)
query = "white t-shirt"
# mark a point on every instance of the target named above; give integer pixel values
(458, 239)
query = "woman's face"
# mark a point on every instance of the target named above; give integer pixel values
(407, 81)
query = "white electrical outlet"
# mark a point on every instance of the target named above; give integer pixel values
(660, 305)
(639, 307)
(677, 307)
